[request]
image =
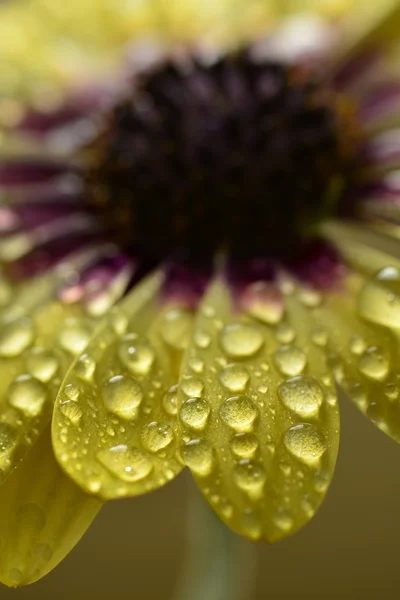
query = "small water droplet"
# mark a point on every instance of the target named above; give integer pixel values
(303, 395)
(122, 396)
(241, 340)
(156, 436)
(192, 386)
(290, 360)
(198, 455)
(28, 395)
(374, 364)
(305, 442)
(310, 297)
(15, 337)
(251, 523)
(170, 401)
(392, 391)
(283, 520)
(239, 412)
(202, 339)
(72, 392)
(71, 410)
(127, 464)
(285, 333)
(249, 476)
(379, 299)
(244, 445)
(176, 328)
(320, 337)
(73, 337)
(357, 345)
(42, 364)
(85, 367)
(194, 413)
(137, 356)
(197, 365)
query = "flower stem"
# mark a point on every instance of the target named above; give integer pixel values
(219, 564)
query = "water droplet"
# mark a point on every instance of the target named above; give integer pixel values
(156, 436)
(244, 445)
(194, 413)
(127, 464)
(305, 442)
(320, 337)
(357, 345)
(321, 481)
(72, 392)
(170, 401)
(303, 395)
(28, 395)
(118, 321)
(85, 367)
(263, 301)
(241, 340)
(176, 328)
(239, 412)
(198, 455)
(137, 356)
(249, 476)
(71, 410)
(197, 365)
(310, 297)
(234, 378)
(374, 364)
(192, 386)
(290, 360)
(122, 396)
(42, 364)
(285, 333)
(202, 339)
(251, 523)
(15, 337)
(379, 299)
(392, 391)
(73, 337)
(283, 520)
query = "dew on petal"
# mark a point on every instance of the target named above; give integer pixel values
(28, 395)
(305, 442)
(234, 378)
(15, 337)
(122, 395)
(170, 401)
(176, 328)
(127, 464)
(194, 413)
(290, 360)
(239, 412)
(198, 455)
(379, 299)
(241, 340)
(303, 395)
(156, 436)
(73, 337)
(374, 364)
(42, 364)
(244, 445)
(137, 356)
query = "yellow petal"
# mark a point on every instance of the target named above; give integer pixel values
(258, 415)
(114, 424)
(43, 514)
(38, 338)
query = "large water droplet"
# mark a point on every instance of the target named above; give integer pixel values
(127, 464)
(194, 413)
(305, 442)
(239, 412)
(15, 337)
(42, 364)
(303, 395)
(198, 455)
(234, 378)
(176, 328)
(290, 360)
(73, 337)
(379, 299)
(374, 364)
(71, 410)
(263, 301)
(241, 340)
(28, 395)
(137, 356)
(122, 396)
(156, 436)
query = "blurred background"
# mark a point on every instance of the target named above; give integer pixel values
(139, 548)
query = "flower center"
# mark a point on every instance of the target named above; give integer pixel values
(238, 154)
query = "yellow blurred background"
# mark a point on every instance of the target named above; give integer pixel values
(350, 551)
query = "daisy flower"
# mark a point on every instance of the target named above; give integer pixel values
(194, 254)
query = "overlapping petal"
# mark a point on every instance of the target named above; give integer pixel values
(258, 414)
(114, 424)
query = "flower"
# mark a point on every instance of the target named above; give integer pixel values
(191, 257)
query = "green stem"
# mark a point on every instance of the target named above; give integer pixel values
(219, 564)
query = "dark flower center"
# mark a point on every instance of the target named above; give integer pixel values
(238, 154)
